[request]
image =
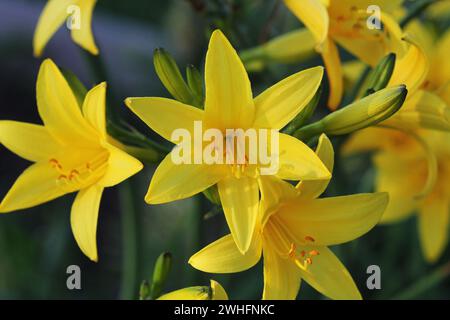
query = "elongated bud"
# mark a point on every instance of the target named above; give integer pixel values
(160, 273)
(195, 83)
(170, 75)
(291, 47)
(363, 113)
(378, 78)
(191, 293)
(144, 291)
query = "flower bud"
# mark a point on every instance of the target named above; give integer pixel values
(160, 273)
(379, 76)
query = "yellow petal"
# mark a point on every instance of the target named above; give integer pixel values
(223, 256)
(190, 293)
(94, 108)
(281, 276)
(328, 275)
(59, 109)
(52, 17)
(229, 99)
(36, 185)
(274, 192)
(174, 182)
(332, 61)
(279, 104)
(240, 197)
(165, 115)
(313, 189)
(83, 220)
(83, 35)
(433, 226)
(28, 141)
(440, 68)
(298, 161)
(331, 221)
(218, 292)
(313, 14)
(121, 166)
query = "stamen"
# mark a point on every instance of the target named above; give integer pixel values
(309, 239)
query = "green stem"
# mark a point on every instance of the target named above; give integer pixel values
(129, 286)
(307, 132)
(426, 283)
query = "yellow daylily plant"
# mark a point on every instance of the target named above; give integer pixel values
(53, 16)
(294, 231)
(71, 153)
(229, 104)
(344, 22)
(214, 292)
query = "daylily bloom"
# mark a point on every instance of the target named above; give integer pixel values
(214, 292)
(345, 22)
(54, 15)
(72, 152)
(294, 231)
(229, 104)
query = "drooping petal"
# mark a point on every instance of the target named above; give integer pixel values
(223, 256)
(28, 141)
(218, 292)
(229, 100)
(328, 275)
(83, 219)
(298, 162)
(313, 189)
(52, 17)
(279, 104)
(313, 14)
(332, 61)
(36, 185)
(121, 166)
(94, 108)
(281, 276)
(59, 109)
(164, 116)
(178, 181)
(190, 293)
(433, 226)
(240, 199)
(83, 35)
(331, 221)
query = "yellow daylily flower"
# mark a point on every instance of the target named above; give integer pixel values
(54, 15)
(344, 22)
(71, 152)
(214, 292)
(294, 231)
(403, 171)
(229, 104)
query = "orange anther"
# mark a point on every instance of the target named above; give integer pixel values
(309, 238)
(314, 253)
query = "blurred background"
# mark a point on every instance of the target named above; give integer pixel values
(37, 246)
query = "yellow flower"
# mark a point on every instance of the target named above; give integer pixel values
(403, 172)
(71, 152)
(344, 22)
(214, 292)
(54, 15)
(294, 232)
(229, 104)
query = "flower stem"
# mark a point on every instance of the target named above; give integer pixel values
(129, 286)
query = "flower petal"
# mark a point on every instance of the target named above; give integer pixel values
(59, 109)
(332, 61)
(229, 99)
(331, 221)
(174, 182)
(223, 256)
(240, 199)
(281, 276)
(164, 116)
(298, 162)
(94, 108)
(83, 35)
(313, 14)
(328, 275)
(279, 104)
(52, 17)
(313, 189)
(218, 292)
(28, 141)
(83, 220)
(433, 226)
(36, 185)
